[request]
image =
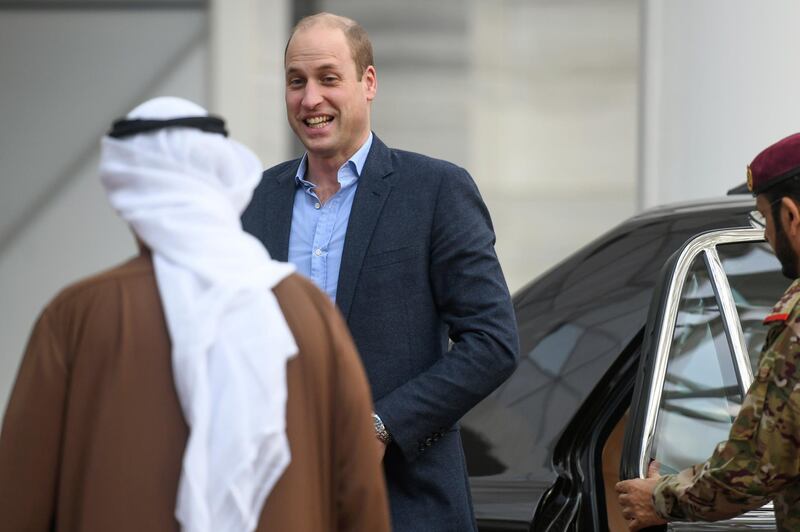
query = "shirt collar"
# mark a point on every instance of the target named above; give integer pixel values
(356, 161)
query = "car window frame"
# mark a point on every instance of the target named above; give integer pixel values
(704, 244)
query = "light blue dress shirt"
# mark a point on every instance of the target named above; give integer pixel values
(316, 241)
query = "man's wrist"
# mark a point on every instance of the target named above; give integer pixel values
(380, 429)
(665, 500)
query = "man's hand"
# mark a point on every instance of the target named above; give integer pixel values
(636, 500)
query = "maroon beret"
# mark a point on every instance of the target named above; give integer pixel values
(774, 165)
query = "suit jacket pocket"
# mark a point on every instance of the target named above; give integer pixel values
(387, 257)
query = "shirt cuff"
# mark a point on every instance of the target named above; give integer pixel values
(665, 499)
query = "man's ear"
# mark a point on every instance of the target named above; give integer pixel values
(370, 79)
(790, 216)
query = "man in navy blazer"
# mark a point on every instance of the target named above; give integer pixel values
(404, 244)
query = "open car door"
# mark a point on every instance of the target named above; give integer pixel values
(703, 336)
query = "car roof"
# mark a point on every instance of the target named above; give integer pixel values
(698, 206)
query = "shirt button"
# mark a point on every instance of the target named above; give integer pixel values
(317, 252)
(317, 205)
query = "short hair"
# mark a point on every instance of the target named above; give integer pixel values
(356, 35)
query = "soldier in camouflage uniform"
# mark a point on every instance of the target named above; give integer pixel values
(760, 461)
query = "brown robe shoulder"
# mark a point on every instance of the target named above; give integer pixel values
(93, 435)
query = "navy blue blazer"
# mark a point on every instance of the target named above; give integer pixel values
(418, 270)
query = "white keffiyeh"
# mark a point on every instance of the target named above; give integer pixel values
(183, 191)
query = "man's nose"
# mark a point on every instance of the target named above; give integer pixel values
(312, 96)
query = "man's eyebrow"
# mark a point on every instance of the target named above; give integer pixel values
(326, 67)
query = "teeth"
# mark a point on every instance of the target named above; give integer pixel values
(318, 121)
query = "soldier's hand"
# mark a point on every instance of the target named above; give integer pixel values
(652, 470)
(636, 500)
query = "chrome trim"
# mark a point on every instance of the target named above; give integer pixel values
(730, 318)
(700, 244)
(760, 519)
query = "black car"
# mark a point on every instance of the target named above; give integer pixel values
(639, 346)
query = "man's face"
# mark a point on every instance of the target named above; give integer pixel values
(775, 234)
(326, 104)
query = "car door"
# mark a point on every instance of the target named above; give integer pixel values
(703, 337)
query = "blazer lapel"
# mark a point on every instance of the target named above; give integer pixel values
(373, 189)
(278, 206)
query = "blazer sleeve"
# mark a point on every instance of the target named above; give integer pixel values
(31, 439)
(472, 299)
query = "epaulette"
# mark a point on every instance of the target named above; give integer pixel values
(784, 307)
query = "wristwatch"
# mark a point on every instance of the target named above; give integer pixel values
(380, 429)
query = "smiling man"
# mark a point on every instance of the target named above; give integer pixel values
(404, 245)
(760, 461)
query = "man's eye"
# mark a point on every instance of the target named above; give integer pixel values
(295, 82)
(329, 79)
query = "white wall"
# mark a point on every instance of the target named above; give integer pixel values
(553, 124)
(721, 81)
(246, 76)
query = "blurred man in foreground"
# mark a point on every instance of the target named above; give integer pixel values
(760, 461)
(200, 386)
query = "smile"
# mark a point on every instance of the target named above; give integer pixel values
(318, 121)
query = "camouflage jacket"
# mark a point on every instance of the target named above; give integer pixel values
(760, 461)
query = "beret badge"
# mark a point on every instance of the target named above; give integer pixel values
(749, 179)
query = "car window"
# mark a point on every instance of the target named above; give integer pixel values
(756, 282)
(701, 393)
